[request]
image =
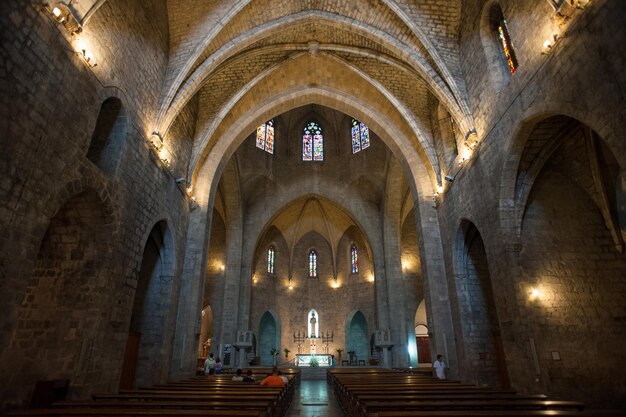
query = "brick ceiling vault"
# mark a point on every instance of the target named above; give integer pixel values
(222, 50)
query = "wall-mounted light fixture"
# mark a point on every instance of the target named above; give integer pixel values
(62, 13)
(335, 283)
(164, 156)
(471, 139)
(289, 284)
(84, 51)
(534, 293)
(548, 44)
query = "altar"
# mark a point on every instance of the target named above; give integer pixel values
(304, 359)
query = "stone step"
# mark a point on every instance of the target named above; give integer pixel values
(313, 373)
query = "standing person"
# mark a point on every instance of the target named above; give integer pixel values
(273, 380)
(440, 367)
(209, 364)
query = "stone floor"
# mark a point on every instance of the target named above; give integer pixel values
(314, 399)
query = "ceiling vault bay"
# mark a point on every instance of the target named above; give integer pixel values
(223, 50)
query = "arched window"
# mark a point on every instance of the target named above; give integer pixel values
(313, 264)
(354, 256)
(506, 46)
(270, 260)
(497, 45)
(265, 137)
(360, 136)
(312, 143)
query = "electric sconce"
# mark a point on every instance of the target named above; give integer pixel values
(548, 44)
(63, 14)
(83, 50)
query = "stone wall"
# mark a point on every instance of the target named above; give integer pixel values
(485, 191)
(50, 105)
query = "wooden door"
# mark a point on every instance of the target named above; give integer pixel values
(131, 353)
(423, 349)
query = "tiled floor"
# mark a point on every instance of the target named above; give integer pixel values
(314, 399)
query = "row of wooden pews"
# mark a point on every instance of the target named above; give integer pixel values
(398, 393)
(200, 396)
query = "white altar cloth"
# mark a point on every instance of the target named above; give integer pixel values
(303, 359)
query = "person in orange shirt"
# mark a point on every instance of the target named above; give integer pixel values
(273, 380)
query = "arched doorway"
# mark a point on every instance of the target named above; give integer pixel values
(206, 321)
(422, 339)
(484, 353)
(357, 339)
(269, 337)
(146, 355)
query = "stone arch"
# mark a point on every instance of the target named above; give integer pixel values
(181, 90)
(60, 315)
(448, 131)
(518, 179)
(570, 267)
(269, 337)
(480, 329)
(416, 133)
(146, 360)
(379, 116)
(499, 74)
(357, 339)
(109, 136)
(272, 237)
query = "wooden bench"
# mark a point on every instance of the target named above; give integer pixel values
(404, 394)
(113, 412)
(499, 413)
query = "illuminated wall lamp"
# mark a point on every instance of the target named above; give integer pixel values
(534, 294)
(548, 44)
(62, 13)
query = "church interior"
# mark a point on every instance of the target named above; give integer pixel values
(304, 183)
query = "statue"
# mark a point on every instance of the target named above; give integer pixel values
(313, 321)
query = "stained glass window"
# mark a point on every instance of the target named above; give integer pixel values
(506, 46)
(265, 137)
(312, 143)
(270, 260)
(313, 264)
(360, 136)
(355, 259)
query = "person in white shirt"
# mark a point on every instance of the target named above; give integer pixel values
(440, 367)
(239, 376)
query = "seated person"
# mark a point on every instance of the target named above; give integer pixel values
(283, 377)
(273, 380)
(249, 377)
(238, 377)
